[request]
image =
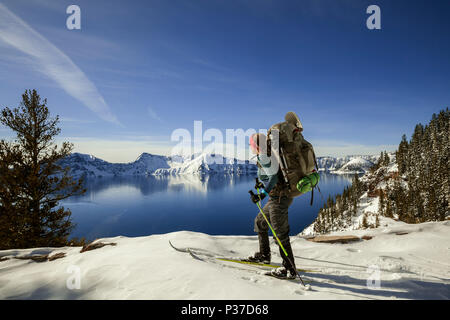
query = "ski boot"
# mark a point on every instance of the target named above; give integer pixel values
(283, 273)
(260, 257)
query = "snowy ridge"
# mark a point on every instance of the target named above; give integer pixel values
(202, 163)
(347, 165)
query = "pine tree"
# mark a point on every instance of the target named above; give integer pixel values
(386, 159)
(365, 224)
(402, 156)
(31, 181)
(377, 221)
(381, 203)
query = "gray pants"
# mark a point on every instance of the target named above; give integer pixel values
(277, 213)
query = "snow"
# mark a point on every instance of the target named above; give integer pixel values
(206, 163)
(347, 165)
(355, 165)
(415, 265)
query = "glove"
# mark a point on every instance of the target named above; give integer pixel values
(259, 185)
(257, 197)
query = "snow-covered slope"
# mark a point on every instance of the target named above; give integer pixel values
(355, 165)
(412, 262)
(346, 165)
(368, 202)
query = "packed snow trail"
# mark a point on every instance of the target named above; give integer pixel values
(304, 286)
(413, 265)
(230, 259)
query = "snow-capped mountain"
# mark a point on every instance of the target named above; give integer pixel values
(149, 164)
(347, 165)
(210, 163)
(90, 166)
(202, 163)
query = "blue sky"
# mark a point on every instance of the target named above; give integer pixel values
(137, 70)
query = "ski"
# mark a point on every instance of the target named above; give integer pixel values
(242, 261)
(265, 273)
(194, 255)
(251, 263)
(260, 264)
(178, 249)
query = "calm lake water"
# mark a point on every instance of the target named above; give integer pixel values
(217, 205)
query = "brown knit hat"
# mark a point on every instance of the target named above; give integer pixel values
(292, 118)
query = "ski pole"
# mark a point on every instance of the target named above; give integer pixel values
(275, 235)
(270, 226)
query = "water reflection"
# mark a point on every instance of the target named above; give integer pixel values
(214, 204)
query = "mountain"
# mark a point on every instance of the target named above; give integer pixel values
(150, 164)
(90, 166)
(201, 163)
(210, 163)
(346, 165)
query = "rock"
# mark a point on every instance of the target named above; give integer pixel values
(97, 245)
(58, 255)
(334, 239)
(36, 258)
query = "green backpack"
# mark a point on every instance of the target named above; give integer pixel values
(295, 155)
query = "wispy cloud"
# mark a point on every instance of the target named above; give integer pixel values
(73, 120)
(151, 112)
(52, 62)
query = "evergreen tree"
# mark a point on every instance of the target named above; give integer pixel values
(386, 159)
(377, 221)
(365, 224)
(381, 203)
(402, 156)
(31, 181)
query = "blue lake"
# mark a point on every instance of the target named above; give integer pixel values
(217, 205)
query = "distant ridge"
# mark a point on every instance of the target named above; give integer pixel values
(203, 163)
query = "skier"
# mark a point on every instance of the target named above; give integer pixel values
(276, 211)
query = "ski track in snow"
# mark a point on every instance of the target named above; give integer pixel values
(412, 266)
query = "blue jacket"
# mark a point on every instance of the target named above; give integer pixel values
(268, 178)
